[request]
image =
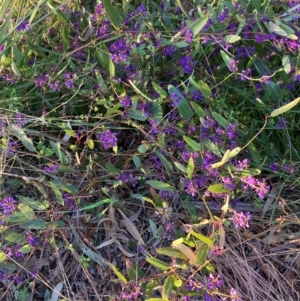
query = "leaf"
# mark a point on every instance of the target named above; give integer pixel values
(2, 257)
(26, 249)
(171, 252)
(65, 38)
(168, 166)
(199, 111)
(212, 147)
(183, 107)
(285, 108)
(131, 228)
(190, 168)
(160, 185)
(226, 58)
(167, 287)
(286, 64)
(277, 29)
(16, 217)
(221, 120)
(157, 263)
(203, 238)
(179, 3)
(34, 224)
(31, 202)
(202, 254)
(137, 162)
(192, 143)
(204, 89)
(162, 93)
(14, 237)
(196, 27)
(180, 166)
(57, 291)
(90, 143)
(57, 193)
(102, 55)
(113, 13)
(112, 68)
(234, 152)
(137, 115)
(100, 203)
(185, 250)
(15, 69)
(20, 134)
(218, 188)
(27, 211)
(61, 156)
(118, 273)
(232, 38)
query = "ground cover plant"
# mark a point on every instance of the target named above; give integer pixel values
(149, 150)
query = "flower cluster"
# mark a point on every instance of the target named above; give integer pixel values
(108, 139)
(240, 219)
(8, 205)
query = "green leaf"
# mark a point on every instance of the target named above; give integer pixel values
(60, 15)
(183, 107)
(198, 25)
(199, 111)
(14, 237)
(212, 147)
(34, 224)
(118, 273)
(221, 120)
(232, 38)
(102, 55)
(137, 115)
(160, 185)
(57, 193)
(157, 263)
(100, 203)
(61, 156)
(137, 162)
(192, 143)
(65, 38)
(15, 69)
(179, 3)
(2, 257)
(113, 13)
(204, 88)
(203, 238)
(190, 168)
(27, 211)
(17, 55)
(218, 188)
(90, 143)
(285, 108)
(171, 252)
(286, 64)
(26, 249)
(274, 28)
(112, 68)
(226, 58)
(20, 134)
(16, 217)
(180, 166)
(167, 287)
(202, 254)
(162, 93)
(168, 166)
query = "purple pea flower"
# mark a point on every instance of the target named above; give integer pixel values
(108, 139)
(241, 220)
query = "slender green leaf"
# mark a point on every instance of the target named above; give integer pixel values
(158, 263)
(285, 108)
(203, 238)
(113, 13)
(190, 168)
(167, 287)
(34, 224)
(112, 68)
(160, 185)
(212, 147)
(20, 134)
(61, 156)
(183, 9)
(202, 254)
(196, 27)
(168, 165)
(232, 38)
(14, 237)
(221, 120)
(218, 188)
(99, 203)
(118, 273)
(192, 143)
(180, 166)
(171, 252)
(286, 64)
(199, 111)
(27, 211)
(226, 58)
(31, 202)
(162, 93)
(26, 249)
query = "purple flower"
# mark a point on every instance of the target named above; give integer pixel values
(20, 120)
(234, 296)
(8, 205)
(1, 48)
(187, 64)
(55, 86)
(274, 167)
(188, 35)
(41, 80)
(232, 65)
(169, 50)
(241, 165)
(241, 219)
(282, 124)
(214, 282)
(70, 202)
(108, 139)
(126, 101)
(51, 168)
